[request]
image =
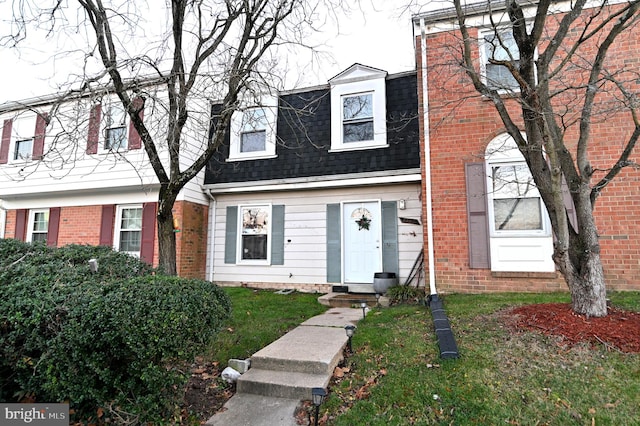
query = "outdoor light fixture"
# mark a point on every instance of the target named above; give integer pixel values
(317, 396)
(350, 329)
(363, 305)
(93, 265)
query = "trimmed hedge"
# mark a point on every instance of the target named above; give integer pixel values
(114, 339)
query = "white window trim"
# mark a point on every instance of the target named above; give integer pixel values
(270, 108)
(239, 259)
(505, 157)
(30, 222)
(104, 120)
(117, 228)
(377, 88)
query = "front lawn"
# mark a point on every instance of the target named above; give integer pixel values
(504, 377)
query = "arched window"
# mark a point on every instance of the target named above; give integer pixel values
(519, 228)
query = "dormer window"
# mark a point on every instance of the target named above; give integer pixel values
(253, 137)
(358, 109)
(357, 118)
(253, 131)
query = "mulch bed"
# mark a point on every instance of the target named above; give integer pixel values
(618, 330)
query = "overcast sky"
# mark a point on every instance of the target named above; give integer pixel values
(379, 35)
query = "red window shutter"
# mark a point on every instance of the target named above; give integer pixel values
(54, 226)
(106, 225)
(6, 141)
(21, 224)
(94, 129)
(38, 139)
(135, 141)
(479, 255)
(148, 232)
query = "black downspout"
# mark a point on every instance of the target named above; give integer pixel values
(446, 341)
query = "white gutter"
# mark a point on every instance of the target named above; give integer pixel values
(316, 182)
(427, 160)
(212, 230)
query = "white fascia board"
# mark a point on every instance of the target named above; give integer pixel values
(317, 182)
(477, 14)
(89, 197)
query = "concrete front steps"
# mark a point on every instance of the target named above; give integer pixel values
(284, 372)
(300, 360)
(351, 300)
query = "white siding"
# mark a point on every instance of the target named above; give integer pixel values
(68, 168)
(305, 232)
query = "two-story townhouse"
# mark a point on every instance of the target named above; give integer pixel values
(319, 187)
(75, 172)
(489, 226)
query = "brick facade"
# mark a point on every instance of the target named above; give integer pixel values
(191, 241)
(461, 124)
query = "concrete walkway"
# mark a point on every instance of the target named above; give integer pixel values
(283, 373)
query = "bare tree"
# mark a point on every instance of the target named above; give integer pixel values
(220, 50)
(563, 75)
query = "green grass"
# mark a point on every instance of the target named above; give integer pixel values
(259, 318)
(502, 377)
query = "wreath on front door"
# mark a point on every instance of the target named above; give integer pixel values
(363, 223)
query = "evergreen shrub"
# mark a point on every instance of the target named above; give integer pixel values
(113, 340)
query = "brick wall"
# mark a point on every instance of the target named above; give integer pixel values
(463, 123)
(191, 241)
(79, 225)
(10, 224)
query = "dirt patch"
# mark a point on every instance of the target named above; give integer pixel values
(205, 393)
(619, 330)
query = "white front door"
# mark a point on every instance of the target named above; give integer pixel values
(362, 243)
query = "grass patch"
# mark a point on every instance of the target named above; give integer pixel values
(502, 377)
(258, 318)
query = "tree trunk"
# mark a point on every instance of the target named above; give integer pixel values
(582, 270)
(588, 290)
(166, 234)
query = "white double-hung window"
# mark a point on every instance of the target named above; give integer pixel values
(115, 135)
(128, 229)
(38, 227)
(253, 137)
(498, 45)
(357, 118)
(255, 231)
(23, 135)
